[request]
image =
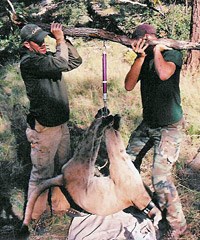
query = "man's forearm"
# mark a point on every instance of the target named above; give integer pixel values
(133, 75)
(62, 50)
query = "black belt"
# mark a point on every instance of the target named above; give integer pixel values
(71, 201)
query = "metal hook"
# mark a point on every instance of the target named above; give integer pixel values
(104, 45)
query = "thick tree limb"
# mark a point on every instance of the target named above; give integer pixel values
(123, 39)
(177, 44)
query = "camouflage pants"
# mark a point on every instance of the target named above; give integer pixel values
(50, 150)
(166, 142)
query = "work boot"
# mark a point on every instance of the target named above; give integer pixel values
(39, 227)
(164, 228)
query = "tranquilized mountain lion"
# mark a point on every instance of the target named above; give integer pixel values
(101, 195)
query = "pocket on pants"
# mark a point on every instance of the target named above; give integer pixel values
(170, 145)
(39, 155)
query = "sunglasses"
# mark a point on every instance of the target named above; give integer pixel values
(39, 43)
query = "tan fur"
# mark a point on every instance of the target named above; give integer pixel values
(101, 195)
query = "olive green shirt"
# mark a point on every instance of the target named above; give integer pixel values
(42, 75)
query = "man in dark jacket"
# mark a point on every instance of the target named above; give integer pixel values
(47, 129)
(158, 69)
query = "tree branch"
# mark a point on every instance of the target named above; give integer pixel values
(123, 39)
(11, 6)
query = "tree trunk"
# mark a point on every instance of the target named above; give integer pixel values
(193, 59)
(122, 39)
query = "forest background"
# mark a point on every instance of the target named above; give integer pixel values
(176, 19)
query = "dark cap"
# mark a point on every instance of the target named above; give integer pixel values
(32, 32)
(143, 29)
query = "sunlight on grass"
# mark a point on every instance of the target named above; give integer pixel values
(190, 89)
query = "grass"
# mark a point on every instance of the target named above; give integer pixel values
(85, 93)
(190, 88)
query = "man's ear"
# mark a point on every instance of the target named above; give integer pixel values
(150, 36)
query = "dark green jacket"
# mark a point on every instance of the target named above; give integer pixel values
(42, 74)
(161, 99)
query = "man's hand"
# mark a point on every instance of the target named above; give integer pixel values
(161, 48)
(139, 47)
(56, 30)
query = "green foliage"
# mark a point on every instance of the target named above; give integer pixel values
(71, 13)
(193, 129)
(130, 56)
(14, 82)
(9, 35)
(172, 20)
(175, 24)
(12, 92)
(7, 143)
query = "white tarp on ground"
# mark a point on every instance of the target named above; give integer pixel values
(127, 225)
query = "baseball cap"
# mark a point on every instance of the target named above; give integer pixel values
(143, 29)
(32, 32)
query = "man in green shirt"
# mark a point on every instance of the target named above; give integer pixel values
(47, 129)
(158, 70)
